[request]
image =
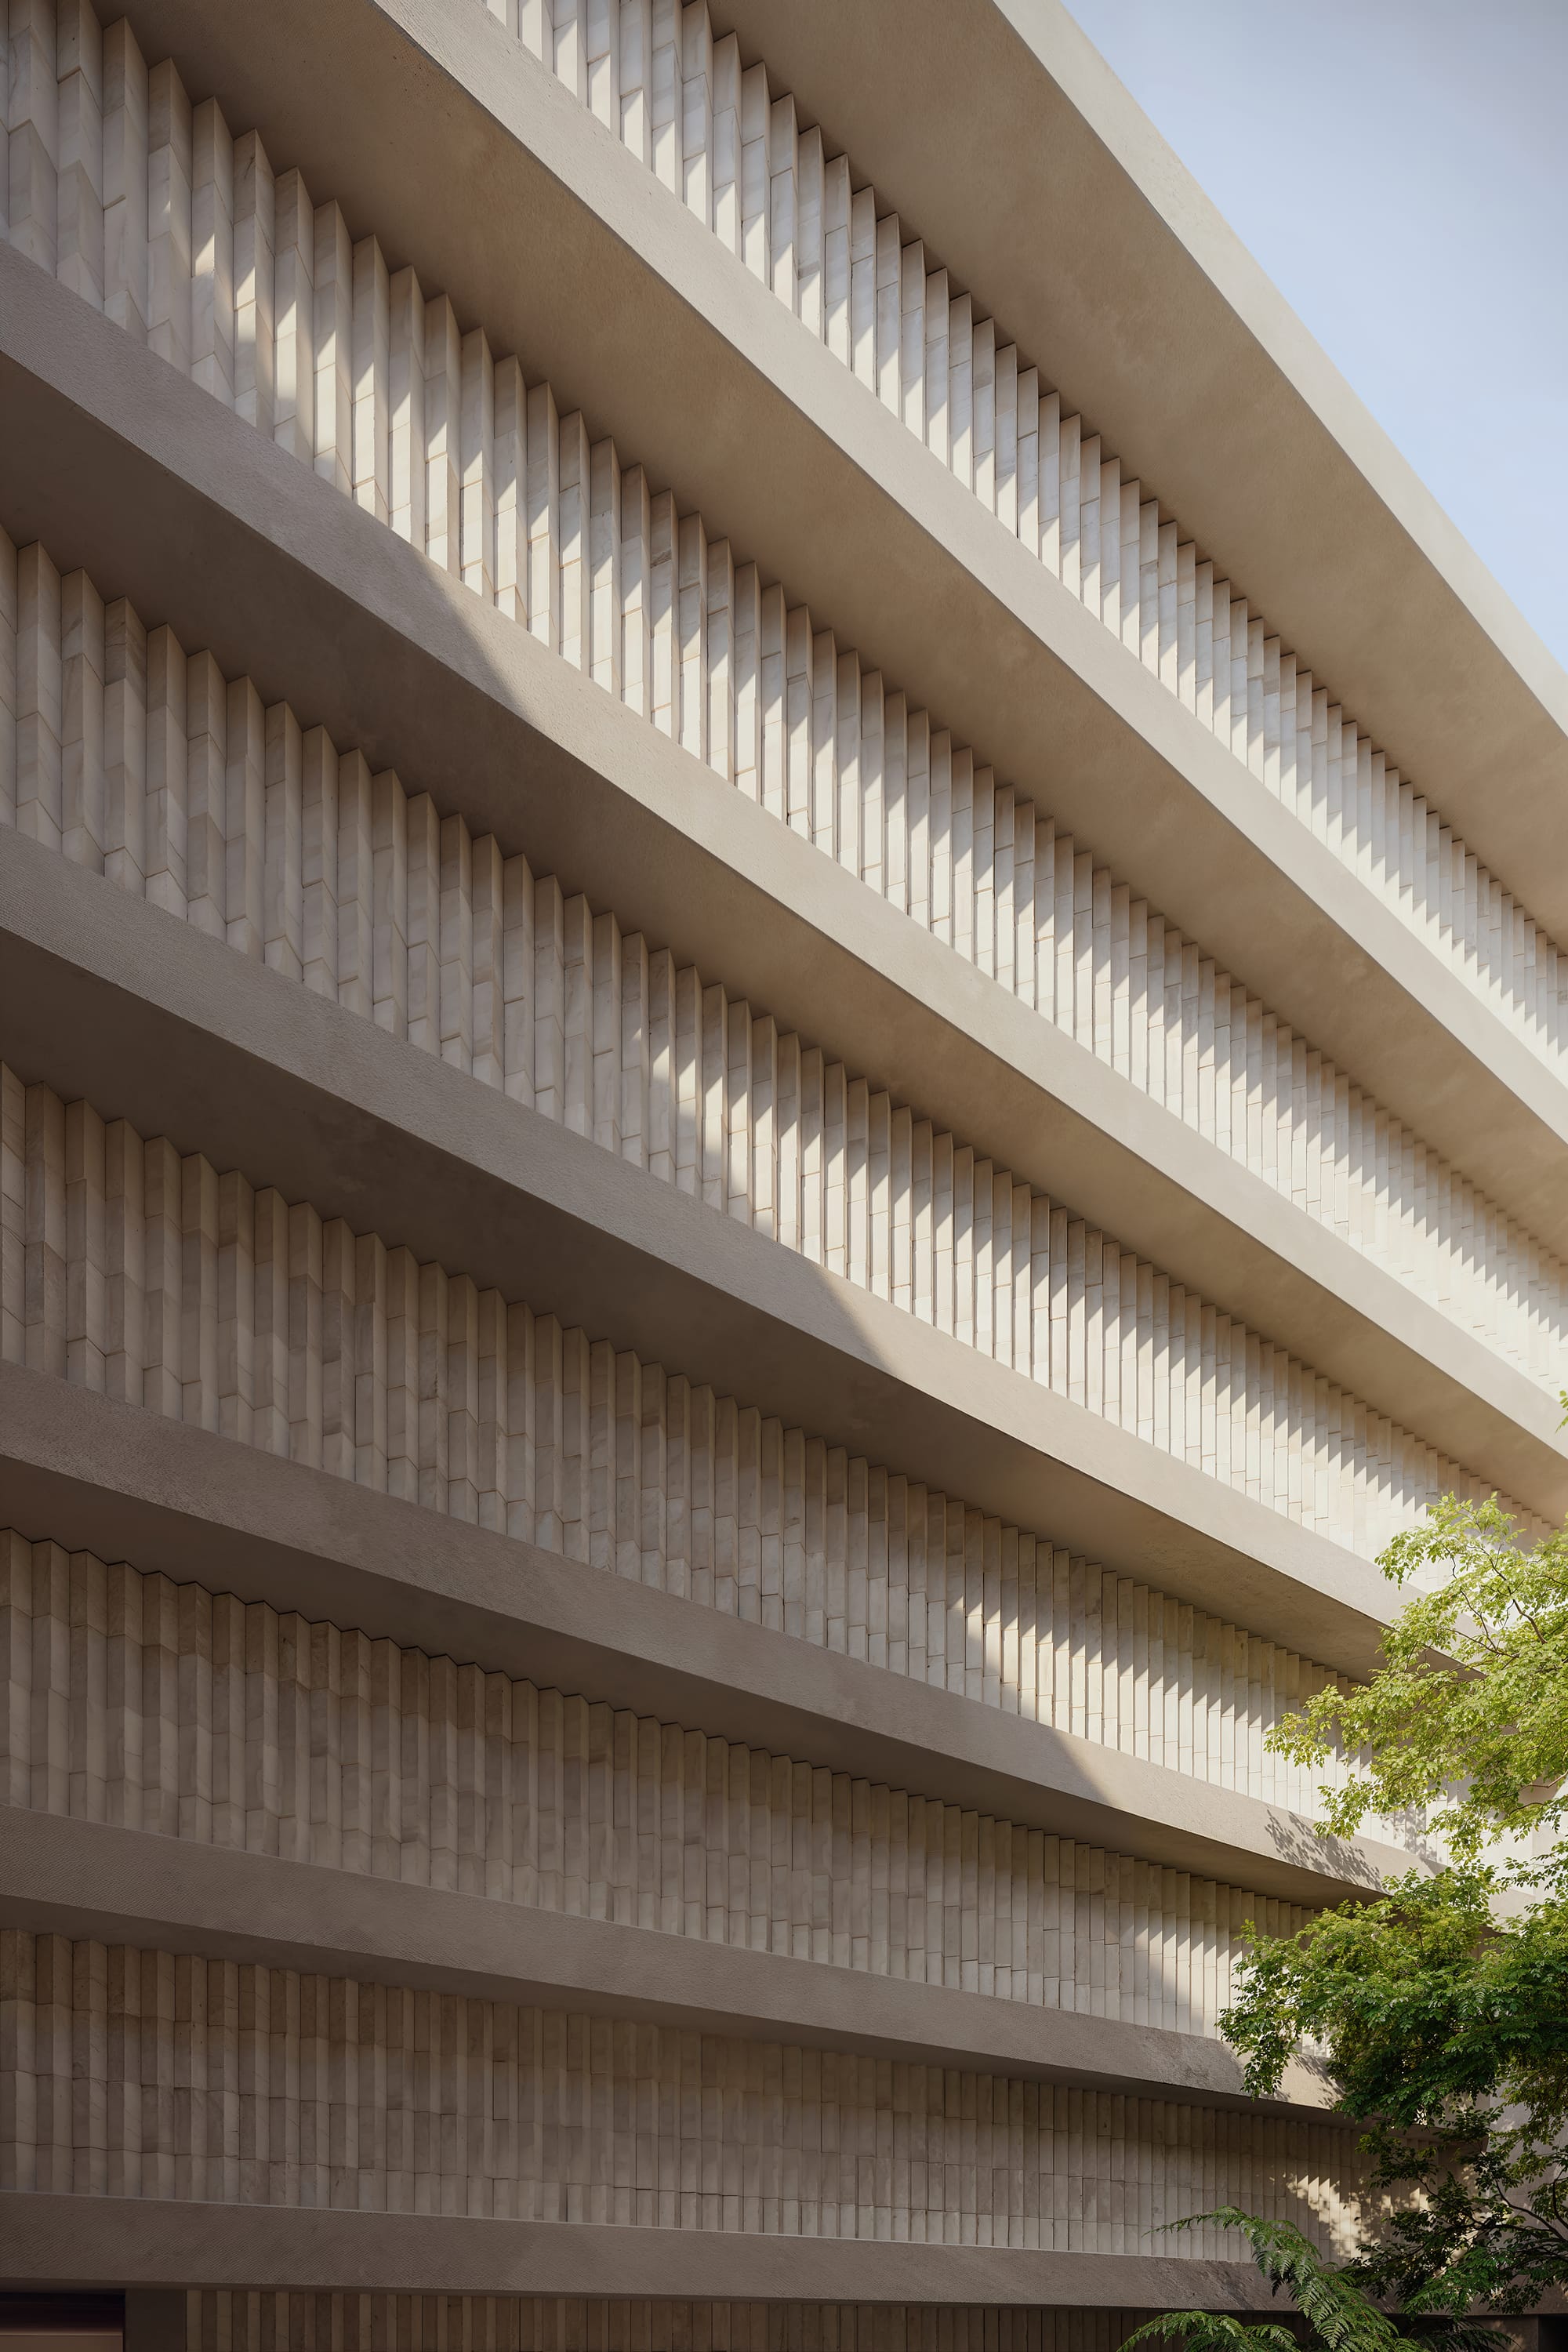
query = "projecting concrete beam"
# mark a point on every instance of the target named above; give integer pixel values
(143, 2242)
(1048, 186)
(90, 1880)
(548, 763)
(113, 1479)
(108, 998)
(207, 528)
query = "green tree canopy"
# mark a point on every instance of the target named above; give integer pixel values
(1468, 1718)
(1440, 2010)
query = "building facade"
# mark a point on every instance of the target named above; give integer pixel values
(781, 1048)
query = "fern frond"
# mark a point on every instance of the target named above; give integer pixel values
(1341, 2313)
(1215, 2331)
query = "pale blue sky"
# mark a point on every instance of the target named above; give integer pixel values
(1400, 169)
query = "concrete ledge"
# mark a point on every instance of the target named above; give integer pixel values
(108, 998)
(87, 1879)
(848, 508)
(139, 2242)
(101, 1476)
(1199, 376)
(588, 788)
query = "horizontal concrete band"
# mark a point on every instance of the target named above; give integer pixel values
(101, 1476)
(88, 1879)
(292, 586)
(806, 938)
(1502, 667)
(1218, 397)
(80, 2242)
(108, 998)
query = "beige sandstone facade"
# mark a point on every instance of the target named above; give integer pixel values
(746, 1157)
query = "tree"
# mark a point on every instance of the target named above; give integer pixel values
(1441, 2009)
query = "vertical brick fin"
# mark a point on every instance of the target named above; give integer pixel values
(158, 1278)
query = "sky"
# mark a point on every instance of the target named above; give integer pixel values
(1400, 170)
